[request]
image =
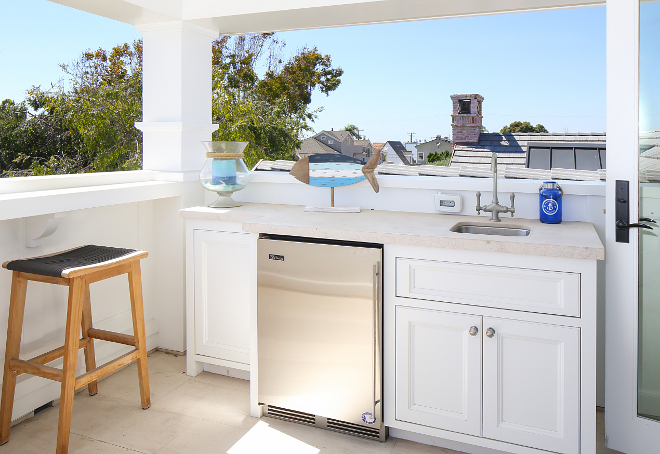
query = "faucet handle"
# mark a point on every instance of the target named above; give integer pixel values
(512, 209)
(478, 202)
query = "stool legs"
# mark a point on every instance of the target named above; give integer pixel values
(73, 322)
(14, 329)
(90, 356)
(135, 287)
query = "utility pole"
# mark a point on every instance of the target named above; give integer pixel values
(411, 134)
(359, 131)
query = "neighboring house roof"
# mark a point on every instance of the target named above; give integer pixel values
(363, 143)
(338, 135)
(511, 149)
(400, 151)
(311, 146)
(378, 145)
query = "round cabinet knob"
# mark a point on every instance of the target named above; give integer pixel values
(474, 331)
(490, 332)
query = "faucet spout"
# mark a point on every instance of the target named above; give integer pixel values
(494, 167)
(495, 208)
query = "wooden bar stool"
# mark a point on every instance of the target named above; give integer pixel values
(76, 268)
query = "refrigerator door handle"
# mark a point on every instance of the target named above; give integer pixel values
(377, 338)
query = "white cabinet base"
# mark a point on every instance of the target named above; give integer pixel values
(220, 295)
(537, 381)
(222, 262)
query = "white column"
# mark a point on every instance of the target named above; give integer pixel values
(176, 106)
(176, 95)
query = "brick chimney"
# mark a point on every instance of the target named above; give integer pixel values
(466, 119)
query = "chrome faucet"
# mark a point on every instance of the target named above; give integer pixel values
(495, 208)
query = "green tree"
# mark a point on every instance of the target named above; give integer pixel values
(85, 123)
(522, 126)
(439, 159)
(354, 130)
(27, 137)
(271, 112)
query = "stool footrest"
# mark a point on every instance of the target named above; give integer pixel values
(111, 336)
(54, 354)
(105, 369)
(29, 367)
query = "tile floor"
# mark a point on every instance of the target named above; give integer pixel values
(204, 414)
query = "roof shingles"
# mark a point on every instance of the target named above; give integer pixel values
(511, 149)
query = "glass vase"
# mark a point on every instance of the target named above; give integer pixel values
(224, 171)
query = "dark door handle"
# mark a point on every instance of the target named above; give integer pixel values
(647, 220)
(620, 224)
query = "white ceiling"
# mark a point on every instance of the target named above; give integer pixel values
(251, 16)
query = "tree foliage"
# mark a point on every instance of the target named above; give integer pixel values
(29, 139)
(85, 123)
(354, 130)
(439, 159)
(522, 126)
(270, 112)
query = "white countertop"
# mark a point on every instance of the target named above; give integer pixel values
(569, 239)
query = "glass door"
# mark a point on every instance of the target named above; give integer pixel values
(632, 336)
(632, 333)
(648, 354)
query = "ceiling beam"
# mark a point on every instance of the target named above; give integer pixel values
(253, 16)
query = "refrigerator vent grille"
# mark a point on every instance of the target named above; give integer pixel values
(325, 423)
(291, 415)
(353, 429)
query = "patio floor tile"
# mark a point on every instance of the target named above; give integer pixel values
(192, 415)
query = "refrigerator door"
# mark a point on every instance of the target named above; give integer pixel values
(319, 329)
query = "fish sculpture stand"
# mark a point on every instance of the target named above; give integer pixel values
(330, 170)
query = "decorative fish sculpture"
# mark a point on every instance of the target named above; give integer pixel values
(333, 170)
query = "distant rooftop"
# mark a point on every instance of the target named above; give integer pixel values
(512, 149)
(339, 135)
(400, 150)
(310, 146)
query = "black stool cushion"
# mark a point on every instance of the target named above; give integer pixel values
(53, 265)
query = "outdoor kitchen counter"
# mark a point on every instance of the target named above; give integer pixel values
(568, 240)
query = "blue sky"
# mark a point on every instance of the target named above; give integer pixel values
(543, 67)
(649, 66)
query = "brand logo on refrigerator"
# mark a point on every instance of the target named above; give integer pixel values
(275, 257)
(368, 417)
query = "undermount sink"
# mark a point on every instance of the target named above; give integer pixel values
(490, 230)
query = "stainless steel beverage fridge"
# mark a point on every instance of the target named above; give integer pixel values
(319, 325)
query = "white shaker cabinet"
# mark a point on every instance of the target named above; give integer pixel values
(531, 384)
(529, 375)
(220, 292)
(490, 350)
(222, 296)
(438, 369)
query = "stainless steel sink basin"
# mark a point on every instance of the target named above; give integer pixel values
(490, 230)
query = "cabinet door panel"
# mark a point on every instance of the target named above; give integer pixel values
(222, 295)
(531, 384)
(438, 370)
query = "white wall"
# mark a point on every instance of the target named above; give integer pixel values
(583, 201)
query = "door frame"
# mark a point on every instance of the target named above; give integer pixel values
(625, 431)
